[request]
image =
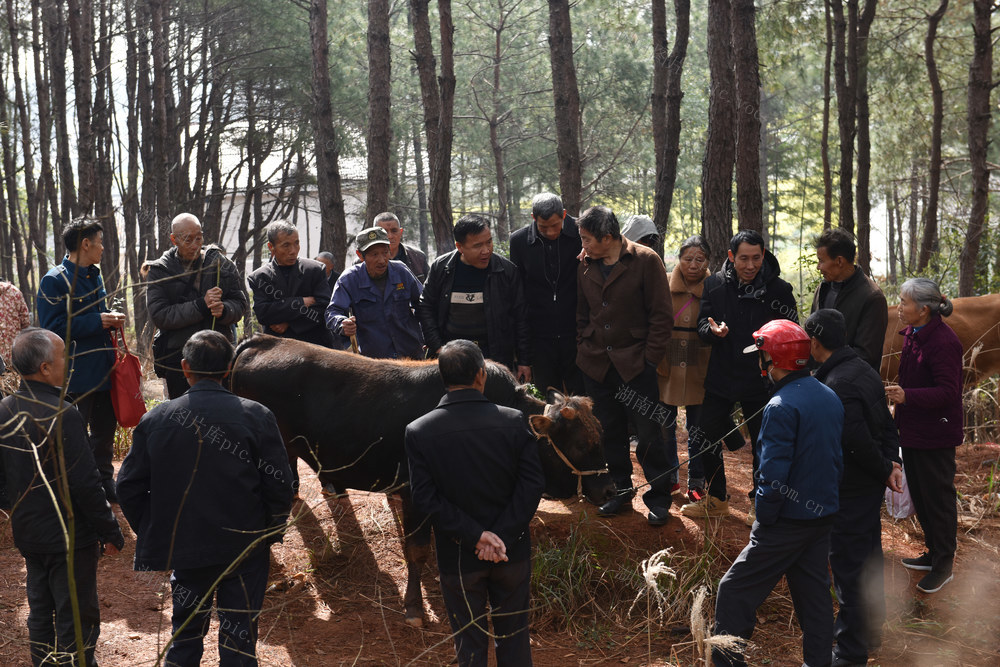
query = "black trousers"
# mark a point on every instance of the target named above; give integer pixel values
(714, 423)
(930, 474)
(858, 578)
(554, 365)
(614, 401)
(99, 415)
(50, 613)
(238, 597)
(507, 588)
(177, 384)
(797, 552)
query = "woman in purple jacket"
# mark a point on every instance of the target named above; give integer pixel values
(928, 403)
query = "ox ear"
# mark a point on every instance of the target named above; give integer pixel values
(554, 397)
(568, 413)
(540, 424)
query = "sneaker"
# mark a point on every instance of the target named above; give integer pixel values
(707, 507)
(696, 493)
(658, 516)
(675, 490)
(921, 562)
(751, 515)
(934, 582)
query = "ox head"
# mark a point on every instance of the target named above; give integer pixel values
(571, 451)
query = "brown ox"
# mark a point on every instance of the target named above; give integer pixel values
(345, 415)
(976, 322)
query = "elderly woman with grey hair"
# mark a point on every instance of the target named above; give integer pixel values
(928, 412)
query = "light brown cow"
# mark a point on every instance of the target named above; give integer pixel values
(976, 321)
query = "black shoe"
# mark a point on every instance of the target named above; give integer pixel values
(934, 582)
(844, 662)
(658, 516)
(921, 562)
(615, 506)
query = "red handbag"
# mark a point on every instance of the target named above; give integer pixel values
(126, 383)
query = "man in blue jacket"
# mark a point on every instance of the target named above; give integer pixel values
(375, 301)
(85, 326)
(796, 498)
(207, 489)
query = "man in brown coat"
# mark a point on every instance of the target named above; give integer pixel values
(623, 322)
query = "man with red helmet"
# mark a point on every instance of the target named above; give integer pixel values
(796, 499)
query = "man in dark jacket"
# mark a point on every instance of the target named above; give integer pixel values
(871, 462)
(474, 469)
(415, 260)
(222, 495)
(545, 253)
(846, 288)
(745, 294)
(290, 294)
(37, 524)
(796, 499)
(624, 318)
(190, 289)
(85, 326)
(474, 294)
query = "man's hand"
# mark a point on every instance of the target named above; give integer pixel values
(721, 329)
(110, 549)
(524, 374)
(112, 320)
(895, 481)
(896, 394)
(213, 297)
(279, 328)
(349, 326)
(308, 301)
(490, 547)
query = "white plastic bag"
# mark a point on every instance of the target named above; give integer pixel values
(900, 505)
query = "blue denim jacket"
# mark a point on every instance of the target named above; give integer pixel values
(387, 325)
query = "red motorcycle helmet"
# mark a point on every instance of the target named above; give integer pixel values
(785, 341)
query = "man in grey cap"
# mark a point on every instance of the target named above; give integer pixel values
(375, 301)
(640, 229)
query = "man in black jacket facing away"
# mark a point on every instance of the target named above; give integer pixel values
(290, 295)
(38, 355)
(474, 294)
(846, 288)
(545, 253)
(474, 469)
(744, 295)
(871, 462)
(222, 495)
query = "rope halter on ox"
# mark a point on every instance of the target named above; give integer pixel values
(552, 413)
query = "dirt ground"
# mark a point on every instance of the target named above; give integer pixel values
(337, 582)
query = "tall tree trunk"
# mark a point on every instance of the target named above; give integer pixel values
(418, 164)
(717, 166)
(566, 95)
(929, 241)
(48, 196)
(980, 84)
(864, 138)
(56, 37)
(130, 198)
(667, 70)
(438, 101)
(749, 205)
(159, 121)
(497, 117)
(379, 137)
(892, 220)
(825, 138)
(333, 229)
(81, 32)
(21, 252)
(846, 105)
(149, 229)
(104, 209)
(916, 194)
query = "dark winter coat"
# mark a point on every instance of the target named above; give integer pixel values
(865, 312)
(506, 315)
(34, 521)
(551, 299)
(277, 300)
(930, 373)
(744, 308)
(871, 441)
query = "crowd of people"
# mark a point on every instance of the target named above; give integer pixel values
(582, 306)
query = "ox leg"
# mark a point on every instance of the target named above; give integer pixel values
(416, 548)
